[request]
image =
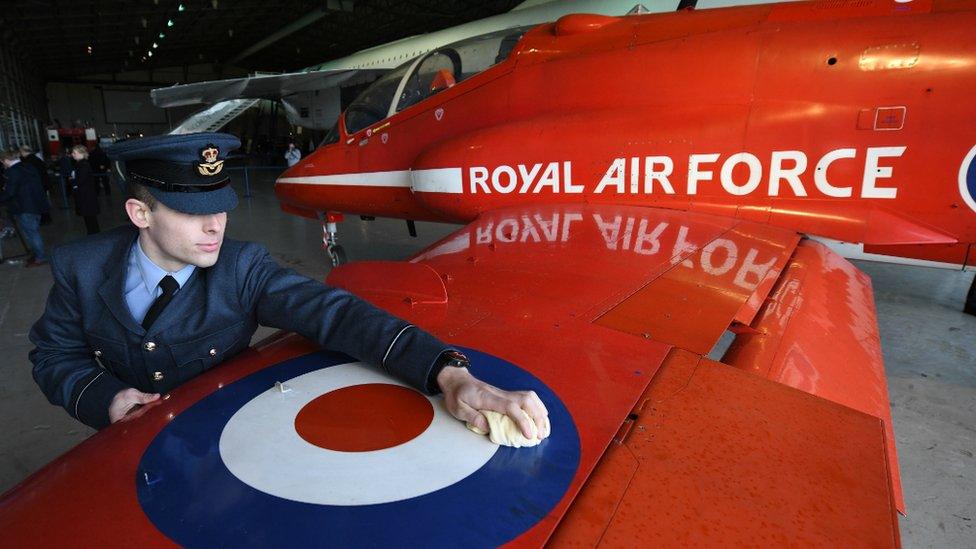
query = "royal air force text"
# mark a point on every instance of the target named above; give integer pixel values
(784, 173)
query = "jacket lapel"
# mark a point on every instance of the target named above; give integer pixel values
(112, 289)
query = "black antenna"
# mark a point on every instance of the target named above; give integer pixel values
(686, 5)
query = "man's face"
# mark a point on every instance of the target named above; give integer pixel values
(174, 239)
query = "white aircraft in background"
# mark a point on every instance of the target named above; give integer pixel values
(312, 97)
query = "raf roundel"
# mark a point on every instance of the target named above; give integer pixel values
(967, 179)
(322, 449)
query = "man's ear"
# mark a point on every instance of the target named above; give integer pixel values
(138, 212)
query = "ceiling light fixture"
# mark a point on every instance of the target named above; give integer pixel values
(169, 23)
(155, 45)
(149, 53)
(181, 8)
(162, 35)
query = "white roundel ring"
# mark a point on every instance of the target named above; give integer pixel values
(967, 179)
(258, 435)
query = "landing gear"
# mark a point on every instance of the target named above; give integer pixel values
(337, 255)
(330, 232)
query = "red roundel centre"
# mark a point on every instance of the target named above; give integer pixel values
(363, 418)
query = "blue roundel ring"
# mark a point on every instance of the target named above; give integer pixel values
(967, 179)
(190, 495)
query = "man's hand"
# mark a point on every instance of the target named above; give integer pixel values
(465, 394)
(129, 404)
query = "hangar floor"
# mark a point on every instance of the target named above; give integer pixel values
(929, 350)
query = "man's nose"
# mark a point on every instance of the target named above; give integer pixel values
(212, 223)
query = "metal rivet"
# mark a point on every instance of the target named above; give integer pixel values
(98, 353)
(158, 376)
(213, 352)
(149, 346)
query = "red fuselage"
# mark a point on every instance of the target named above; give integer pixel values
(846, 120)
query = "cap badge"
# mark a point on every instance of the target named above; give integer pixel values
(210, 164)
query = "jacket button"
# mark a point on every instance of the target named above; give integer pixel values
(98, 353)
(157, 376)
(213, 352)
(149, 346)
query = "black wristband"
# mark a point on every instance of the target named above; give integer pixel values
(453, 359)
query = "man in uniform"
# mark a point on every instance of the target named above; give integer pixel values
(136, 311)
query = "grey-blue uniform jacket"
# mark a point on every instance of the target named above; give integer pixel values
(88, 346)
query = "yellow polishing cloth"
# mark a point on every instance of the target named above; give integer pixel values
(504, 431)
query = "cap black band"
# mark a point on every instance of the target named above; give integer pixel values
(173, 177)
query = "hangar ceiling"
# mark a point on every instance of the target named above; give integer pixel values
(66, 39)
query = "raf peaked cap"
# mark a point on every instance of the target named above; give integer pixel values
(184, 172)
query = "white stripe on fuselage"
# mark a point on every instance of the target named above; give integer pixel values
(436, 180)
(399, 178)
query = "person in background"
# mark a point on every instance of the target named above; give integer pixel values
(26, 201)
(292, 155)
(36, 162)
(84, 190)
(28, 157)
(100, 169)
(65, 167)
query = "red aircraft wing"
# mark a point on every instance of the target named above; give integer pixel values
(610, 313)
(707, 451)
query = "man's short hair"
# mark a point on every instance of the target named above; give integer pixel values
(9, 154)
(26, 149)
(142, 194)
(80, 149)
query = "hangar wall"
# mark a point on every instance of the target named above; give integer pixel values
(22, 103)
(119, 104)
(73, 104)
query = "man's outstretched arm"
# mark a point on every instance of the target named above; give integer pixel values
(341, 321)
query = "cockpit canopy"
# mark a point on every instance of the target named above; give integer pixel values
(424, 76)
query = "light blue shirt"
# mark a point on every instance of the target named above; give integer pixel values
(142, 278)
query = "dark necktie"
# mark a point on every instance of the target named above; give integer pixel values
(169, 286)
